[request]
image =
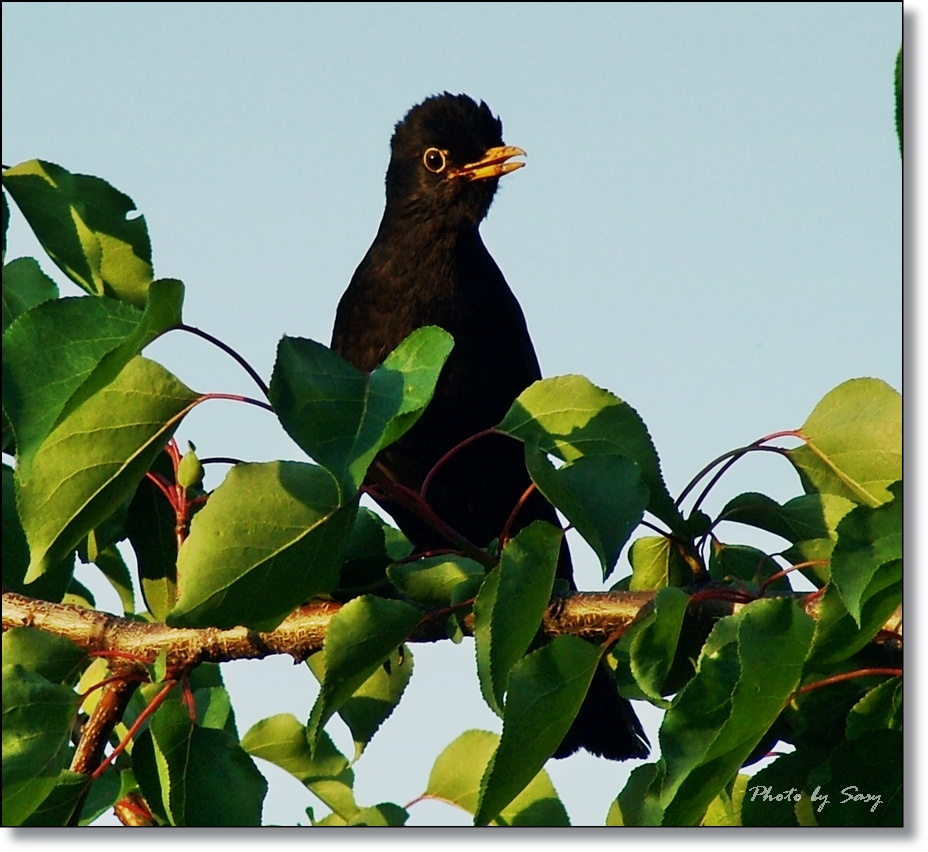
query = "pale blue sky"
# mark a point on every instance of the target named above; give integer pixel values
(709, 225)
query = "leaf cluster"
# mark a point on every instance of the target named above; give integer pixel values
(89, 424)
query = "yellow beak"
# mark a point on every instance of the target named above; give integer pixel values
(492, 164)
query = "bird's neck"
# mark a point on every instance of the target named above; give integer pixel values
(419, 255)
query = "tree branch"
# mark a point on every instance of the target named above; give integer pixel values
(594, 616)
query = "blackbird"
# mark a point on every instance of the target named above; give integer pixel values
(429, 266)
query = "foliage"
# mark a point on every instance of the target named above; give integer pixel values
(91, 421)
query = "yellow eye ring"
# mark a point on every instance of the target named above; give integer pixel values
(435, 160)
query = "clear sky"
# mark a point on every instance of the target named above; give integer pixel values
(709, 224)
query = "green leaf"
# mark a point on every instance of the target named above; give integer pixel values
(342, 416)
(510, 605)
(831, 509)
(648, 647)
(85, 226)
(24, 287)
(456, 775)
(838, 634)
(725, 809)
(546, 689)
(282, 740)
(728, 561)
(863, 779)
(205, 777)
(853, 443)
(879, 709)
(375, 700)
(633, 806)
(371, 547)
(48, 354)
(113, 567)
(361, 636)
(267, 540)
(656, 563)
(602, 496)
(92, 461)
(748, 670)
(64, 351)
(798, 519)
(38, 716)
(59, 806)
(211, 699)
(775, 792)
(151, 529)
(868, 539)
(55, 658)
(432, 580)
(570, 417)
(49, 587)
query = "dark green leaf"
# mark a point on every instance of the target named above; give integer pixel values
(24, 287)
(92, 461)
(38, 716)
(634, 806)
(268, 539)
(868, 539)
(53, 657)
(363, 634)
(59, 806)
(64, 351)
(753, 566)
(853, 443)
(151, 529)
(84, 224)
(798, 519)
(432, 580)
(546, 689)
(602, 496)
(750, 666)
(838, 634)
(863, 781)
(52, 585)
(569, 417)
(510, 605)
(648, 647)
(206, 778)
(372, 546)
(342, 416)
(456, 775)
(773, 794)
(375, 700)
(879, 709)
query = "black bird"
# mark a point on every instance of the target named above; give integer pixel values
(429, 266)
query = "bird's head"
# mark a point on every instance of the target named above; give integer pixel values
(447, 156)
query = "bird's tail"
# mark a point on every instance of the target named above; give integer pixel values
(606, 724)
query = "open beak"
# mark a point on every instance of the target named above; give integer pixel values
(491, 165)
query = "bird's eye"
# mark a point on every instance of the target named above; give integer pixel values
(434, 160)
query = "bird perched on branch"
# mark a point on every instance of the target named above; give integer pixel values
(429, 266)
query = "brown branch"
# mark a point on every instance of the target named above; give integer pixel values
(591, 615)
(96, 731)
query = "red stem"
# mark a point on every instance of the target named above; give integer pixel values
(153, 705)
(504, 535)
(838, 678)
(452, 452)
(229, 351)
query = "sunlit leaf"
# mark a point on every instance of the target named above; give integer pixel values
(268, 539)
